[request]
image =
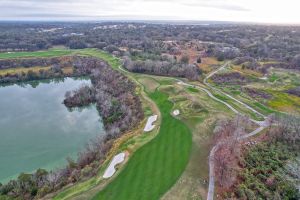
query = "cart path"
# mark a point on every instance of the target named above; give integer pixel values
(262, 124)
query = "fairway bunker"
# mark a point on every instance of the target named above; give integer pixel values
(149, 126)
(109, 172)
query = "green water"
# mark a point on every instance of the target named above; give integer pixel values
(38, 131)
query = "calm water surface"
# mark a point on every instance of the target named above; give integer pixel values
(38, 131)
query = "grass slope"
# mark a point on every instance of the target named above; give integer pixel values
(155, 167)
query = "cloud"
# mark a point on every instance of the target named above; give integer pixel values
(52, 15)
(224, 10)
(229, 7)
(218, 4)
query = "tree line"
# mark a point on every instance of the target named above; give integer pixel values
(225, 41)
(256, 168)
(165, 67)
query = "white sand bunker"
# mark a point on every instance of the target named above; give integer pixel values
(111, 168)
(264, 78)
(149, 126)
(176, 112)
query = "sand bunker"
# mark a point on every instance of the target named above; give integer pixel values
(176, 112)
(149, 126)
(111, 168)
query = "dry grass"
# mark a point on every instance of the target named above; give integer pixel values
(20, 70)
(149, 83)
(246, 71)
(285, 102)
(208, 63)
(68, 70)
(268, 62)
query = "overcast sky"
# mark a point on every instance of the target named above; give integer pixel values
(269, 11)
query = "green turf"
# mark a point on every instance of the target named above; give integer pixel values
(156, 166)
(191, 89)
(263, 108)
(112, 61)
(273, 77)
(47, 53)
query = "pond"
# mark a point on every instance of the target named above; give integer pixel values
(38, 131)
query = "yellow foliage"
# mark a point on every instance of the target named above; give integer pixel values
(19, 70)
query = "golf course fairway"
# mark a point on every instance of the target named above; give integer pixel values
(156, 166)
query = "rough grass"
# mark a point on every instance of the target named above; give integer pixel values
(263, 108)
(76, 189)
(279, 80)
(156, 166)
(207, 64)
(191, 89)
(36, 69)
(273, 77)
(150, 84)
(285, 102)
(245, 71)
(68, 70)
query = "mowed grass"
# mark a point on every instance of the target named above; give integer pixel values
(48, 53)
(156, 166)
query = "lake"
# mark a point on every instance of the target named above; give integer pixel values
(38, 131)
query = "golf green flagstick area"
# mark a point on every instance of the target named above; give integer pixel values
(156, 166)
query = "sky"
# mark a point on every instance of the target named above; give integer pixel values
(261, 11)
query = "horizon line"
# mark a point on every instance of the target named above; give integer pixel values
(214, 22)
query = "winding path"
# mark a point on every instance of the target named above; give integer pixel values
(227, 95)
(262, 126)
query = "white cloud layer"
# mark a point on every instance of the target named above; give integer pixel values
(270, 11)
